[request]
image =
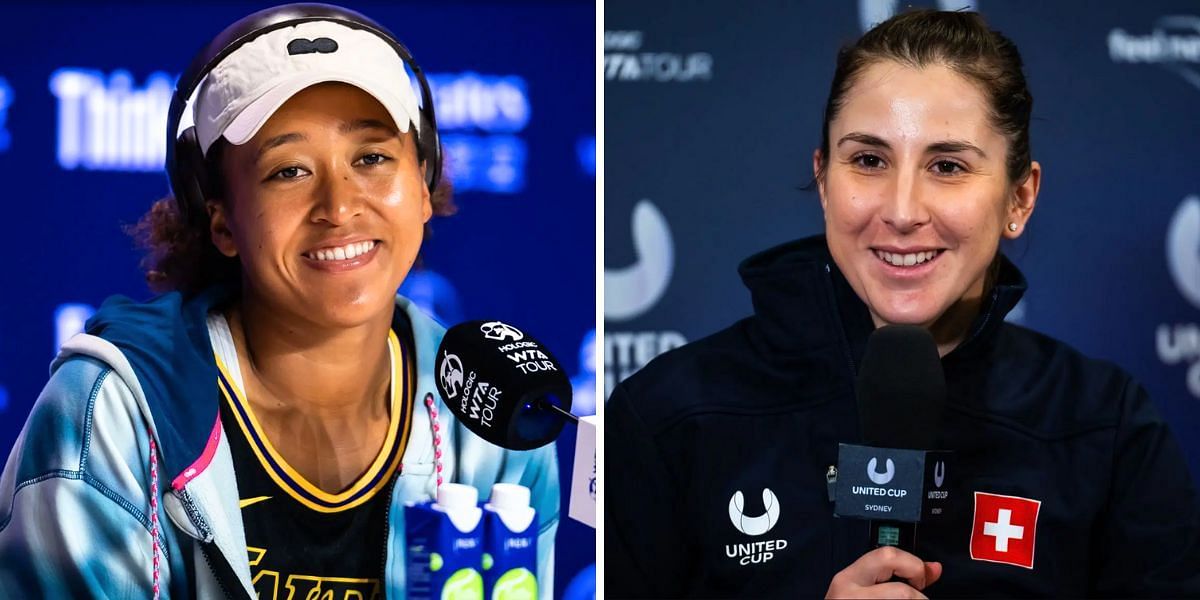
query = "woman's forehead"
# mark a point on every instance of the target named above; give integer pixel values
(339, 103)
(903, 104)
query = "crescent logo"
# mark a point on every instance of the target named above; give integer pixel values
(939, 473)
(1183, 249)
(754, 525)
(880, 478)
(874, 12)
(631, 291)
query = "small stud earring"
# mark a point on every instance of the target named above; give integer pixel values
(1012, 227)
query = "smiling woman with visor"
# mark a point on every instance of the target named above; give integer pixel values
(259, 427)
(1067, 482)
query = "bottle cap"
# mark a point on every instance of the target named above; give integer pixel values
(452, 496)
(509, 496)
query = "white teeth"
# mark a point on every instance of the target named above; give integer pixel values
(343, 253)
(906, 260)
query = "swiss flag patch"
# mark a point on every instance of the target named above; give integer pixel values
(1005, 529)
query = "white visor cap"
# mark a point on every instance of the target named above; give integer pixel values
(248, 86)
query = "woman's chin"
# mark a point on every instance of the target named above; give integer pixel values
(905, 313)
(345, 313)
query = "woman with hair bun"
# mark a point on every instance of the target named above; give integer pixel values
(1066, 482)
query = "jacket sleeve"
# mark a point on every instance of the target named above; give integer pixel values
(1148, 540)
(645, 553)
(73, 516)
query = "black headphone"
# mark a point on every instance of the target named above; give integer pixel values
(186, 165)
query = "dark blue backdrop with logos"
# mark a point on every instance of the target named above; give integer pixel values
(712, 111)
(83, 95)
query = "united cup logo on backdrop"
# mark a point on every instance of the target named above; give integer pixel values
(1180, 342)
(633, 290)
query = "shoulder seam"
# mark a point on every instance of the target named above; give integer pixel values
(87, 418)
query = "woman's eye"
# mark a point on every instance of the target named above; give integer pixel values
(946, 167)
(373, 159)
(287, 173)
(869, 161)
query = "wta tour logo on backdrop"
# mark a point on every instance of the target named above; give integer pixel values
(1181, 342)
(626, 60)
(631, 291)
(1174, 44)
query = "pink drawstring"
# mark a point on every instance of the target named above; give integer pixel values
(154, 508)
(437, 438)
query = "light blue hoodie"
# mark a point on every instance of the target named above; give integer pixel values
(81, 515)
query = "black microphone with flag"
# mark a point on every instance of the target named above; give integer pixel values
(901, 394)
(503, 384)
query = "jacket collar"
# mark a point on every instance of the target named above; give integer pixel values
(804, 304)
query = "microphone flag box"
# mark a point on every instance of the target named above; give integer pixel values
(890, 483)
(583, 473)
(510, 532)
(444, 541)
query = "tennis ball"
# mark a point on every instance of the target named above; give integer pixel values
(464, 584)
(517, 584)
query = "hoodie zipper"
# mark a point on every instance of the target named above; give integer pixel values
(221, 571)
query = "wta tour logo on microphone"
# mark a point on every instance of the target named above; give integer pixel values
(502, 384)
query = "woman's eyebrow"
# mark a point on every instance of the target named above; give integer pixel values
(361, 124)
(864, 138)
(945, 146)
(279, 140)
(952, 146)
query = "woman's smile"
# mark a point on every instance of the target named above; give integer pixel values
(343, 257)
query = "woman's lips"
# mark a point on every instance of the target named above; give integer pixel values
(352, 256)
(907, 264)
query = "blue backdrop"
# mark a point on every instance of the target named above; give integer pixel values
(713, 109)
(83, 94)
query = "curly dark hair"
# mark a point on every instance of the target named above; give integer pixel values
(180, 255)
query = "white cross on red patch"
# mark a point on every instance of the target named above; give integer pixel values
(1005, 529)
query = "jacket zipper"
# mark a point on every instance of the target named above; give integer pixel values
(831, 482)
(206, 548)
(221, 574)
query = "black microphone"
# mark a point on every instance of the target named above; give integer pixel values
(503, 384)
(901, 392)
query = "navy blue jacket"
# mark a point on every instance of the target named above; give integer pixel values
(764, 404)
